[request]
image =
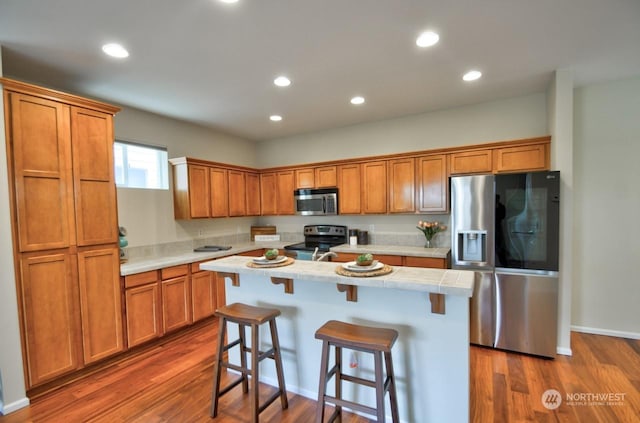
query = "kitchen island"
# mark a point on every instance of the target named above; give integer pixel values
(431, 356)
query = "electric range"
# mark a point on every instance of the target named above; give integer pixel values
(322, 237)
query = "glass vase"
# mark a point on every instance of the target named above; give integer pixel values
(429, 243)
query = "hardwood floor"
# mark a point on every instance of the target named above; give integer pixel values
(172, 383)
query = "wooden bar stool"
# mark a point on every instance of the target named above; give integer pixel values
(360, 338)
(245, 315)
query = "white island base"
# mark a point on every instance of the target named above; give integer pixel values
(430, 358)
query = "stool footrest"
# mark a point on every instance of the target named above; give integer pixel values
(235, 367)
(271, 399)
(350, 404)
(231, 345)
(230, 386)
(266, 354)
(358, 380)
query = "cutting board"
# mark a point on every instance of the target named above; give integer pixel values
(262, 230)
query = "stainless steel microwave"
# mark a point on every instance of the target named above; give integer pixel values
(316, 202)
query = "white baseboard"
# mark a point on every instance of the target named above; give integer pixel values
(607, 332)
(564, 351)
(14, 406)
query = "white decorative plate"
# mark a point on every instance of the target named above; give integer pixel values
(263, 260)
(352, 266)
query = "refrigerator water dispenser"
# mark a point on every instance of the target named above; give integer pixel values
(472, 246)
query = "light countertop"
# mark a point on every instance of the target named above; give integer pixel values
(145, 264)
(440, 281)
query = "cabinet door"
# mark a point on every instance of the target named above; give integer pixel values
(305, 178)
(268, 193)
(41, 140)
(252, 194)
(476, 161)
(199, 203)
(176, 301)
(237, 193)
(50, 313)
(203, 294)
(326, 177)
(436, 263)
(402, 191)
(433, 184)
(143, 313)
(100, 303)
(349, 189)
(219, 191)
(374, 187)
(521, 159)
(94, 184)
(285, 188)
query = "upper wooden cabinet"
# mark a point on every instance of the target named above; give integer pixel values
(305, 178)
(252, 193)
(93, 176)
(326, 177)
(237, 193)
(191, 196)
(349, 188)
(284, 192)
(432, 184)
(475, 161)
(374, 187)
(268, 183)
(401, 185)
(219, 198)
(522, 159)
(41, 139)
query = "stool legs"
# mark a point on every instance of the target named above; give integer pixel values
(253, 371)
(381, 385)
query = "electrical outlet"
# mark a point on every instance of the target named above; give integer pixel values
(200, 232)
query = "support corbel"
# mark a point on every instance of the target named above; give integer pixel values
(351, 290)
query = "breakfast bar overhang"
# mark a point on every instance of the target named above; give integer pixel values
(428, 307)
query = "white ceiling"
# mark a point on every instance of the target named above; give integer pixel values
(214, 64)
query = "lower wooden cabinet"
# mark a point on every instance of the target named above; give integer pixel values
(100, 303)
(143, 313)
(72, 311)
(176, 297)
(50, 316)
(203, 294)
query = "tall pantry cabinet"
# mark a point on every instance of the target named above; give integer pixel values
(63, 205)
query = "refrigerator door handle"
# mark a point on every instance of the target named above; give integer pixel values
(497, 309)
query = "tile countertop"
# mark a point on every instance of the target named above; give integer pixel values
(146, 264)
(394, 250)
(154, 263)
(439, 281)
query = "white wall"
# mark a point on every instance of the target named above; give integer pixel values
(148, 214)
(560, 100)
(606, 287)
(515, 118)
(12, 387)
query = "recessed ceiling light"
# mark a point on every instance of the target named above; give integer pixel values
(115, 50)
(229, 1)
(282, 81)
(427, 39)
(472, 75)
(275, 118)
(357, 100)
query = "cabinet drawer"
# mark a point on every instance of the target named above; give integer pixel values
(174, 271)
(140, 278)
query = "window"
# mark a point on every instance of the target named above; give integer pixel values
(140, 166)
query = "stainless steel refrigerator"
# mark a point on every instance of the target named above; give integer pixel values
(505, 228)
